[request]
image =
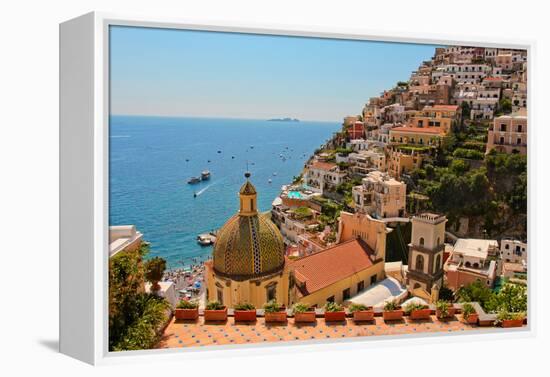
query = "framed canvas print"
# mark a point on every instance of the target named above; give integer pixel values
(227, 187)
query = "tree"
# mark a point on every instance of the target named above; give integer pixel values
(154, 270)
(466, 110)
(511, 298)
(135, 317)
(505, 105)
(475, 292)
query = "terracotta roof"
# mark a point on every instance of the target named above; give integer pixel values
(442, 107)
(420, 130)
(321, 269)
(492, 79)
(323, 165)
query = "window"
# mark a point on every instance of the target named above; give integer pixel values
(518, 141)
(360, 286)
(271, 291)
(420, 262)
(252, 204)
(507, 246)
(372, 279)
(346, 294)
(501, 140)
(438, 241)
(503, 127)
(330, 299)
(437, 263)
(467, 264)
(421, 241)
(220, 295)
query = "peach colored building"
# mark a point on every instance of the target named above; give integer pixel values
(470, 261)
(380, 195)
(442, 117)
(508, 134)
(400, 162)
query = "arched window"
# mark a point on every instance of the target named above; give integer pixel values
(467, 264)
(438, 241)
(437, 262)
(476, 265)
(420, 262)
(421, 241)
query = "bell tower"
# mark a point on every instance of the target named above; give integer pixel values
(248, 198)
(426, 252)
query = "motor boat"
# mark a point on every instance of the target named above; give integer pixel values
(194, 180)
(205, 175)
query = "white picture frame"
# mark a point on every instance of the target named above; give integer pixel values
(84, 143)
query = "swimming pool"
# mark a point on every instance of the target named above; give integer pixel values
(295, 195)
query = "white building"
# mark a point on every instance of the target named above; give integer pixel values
(320, 176)
(123, 237)
(513, 251)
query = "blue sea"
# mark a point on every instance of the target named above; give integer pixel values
(151, 159)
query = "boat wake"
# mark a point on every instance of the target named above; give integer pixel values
(203, 189)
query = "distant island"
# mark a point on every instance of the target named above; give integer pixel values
(283, 120)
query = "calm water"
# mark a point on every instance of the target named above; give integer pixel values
(149, 173)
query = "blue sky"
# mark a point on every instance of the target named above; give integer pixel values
(193, 73)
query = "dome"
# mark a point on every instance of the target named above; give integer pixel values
(247, 247)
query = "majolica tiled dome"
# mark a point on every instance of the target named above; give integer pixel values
(248, 246)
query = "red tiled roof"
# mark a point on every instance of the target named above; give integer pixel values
(321, 269)
(323, 165)
(492, 79)
(420, 130)
(442, 107)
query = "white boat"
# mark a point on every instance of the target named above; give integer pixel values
(205, 175)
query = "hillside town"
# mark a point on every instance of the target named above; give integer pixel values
(418, 203)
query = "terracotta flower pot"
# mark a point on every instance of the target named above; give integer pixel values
(363, 315)
(512, 322)
(392, 315)
(306, 317)
(187, 314)
(245, 315)
(338, 316)
(471, 318)
(420, 314)
(215, 315)
(275, 316)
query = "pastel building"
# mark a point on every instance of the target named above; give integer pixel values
(380, 196)
(513, 251)
(321, 175)
(471, 260)
(508, 134)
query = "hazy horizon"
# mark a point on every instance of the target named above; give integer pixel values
(183, 73)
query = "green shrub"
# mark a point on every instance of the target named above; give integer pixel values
(301, 308)
(357, 308)
(470, 154)
(506, 315)
(333, 307)
(244, 306)
(184, 304)
(391, 305)
(214, 305)
(467, 309)
(414, 306)
(272, 307)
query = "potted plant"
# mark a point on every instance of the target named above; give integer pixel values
(303, 313)
(187, 310)
(245, 313)
(334, 312)
(418, 311)
(444, 310)
(469, 314)
(274, 312)
(507, 319)
(392, 311)
(361, 312)
(215, 311)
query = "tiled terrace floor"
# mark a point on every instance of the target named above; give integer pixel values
(196, 334)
